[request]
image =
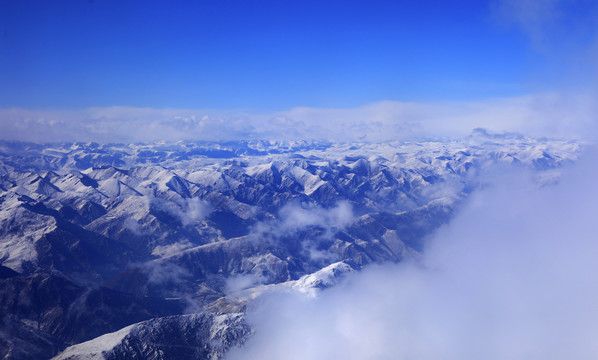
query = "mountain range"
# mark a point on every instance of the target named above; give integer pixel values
(155, 250)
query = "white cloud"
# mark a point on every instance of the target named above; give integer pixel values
(536, 115)
(294, 218)
(164, 272)
(187, 210)
(236, 284)
(171, 249)
(193, 210)
(512, 277)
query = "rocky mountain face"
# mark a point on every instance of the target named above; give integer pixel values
(152, 251)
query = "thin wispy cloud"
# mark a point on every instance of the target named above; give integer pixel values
(564, 34)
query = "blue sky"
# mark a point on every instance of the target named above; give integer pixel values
(272, 55)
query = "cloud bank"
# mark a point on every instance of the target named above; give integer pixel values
(554, 115)
(512, 277)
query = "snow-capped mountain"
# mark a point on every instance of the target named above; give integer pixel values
(154, 250)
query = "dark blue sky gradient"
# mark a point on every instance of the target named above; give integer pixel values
(256, 55)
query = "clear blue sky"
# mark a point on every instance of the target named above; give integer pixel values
(258, 55)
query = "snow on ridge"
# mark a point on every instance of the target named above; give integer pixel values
(321, 279)
(94, 349)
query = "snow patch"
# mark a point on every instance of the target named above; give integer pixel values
(94, 349)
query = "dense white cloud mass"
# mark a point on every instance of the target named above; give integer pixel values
(512, 277)
(538, 115)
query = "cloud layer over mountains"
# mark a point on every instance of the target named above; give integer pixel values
(540, 115)
(512, 277)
